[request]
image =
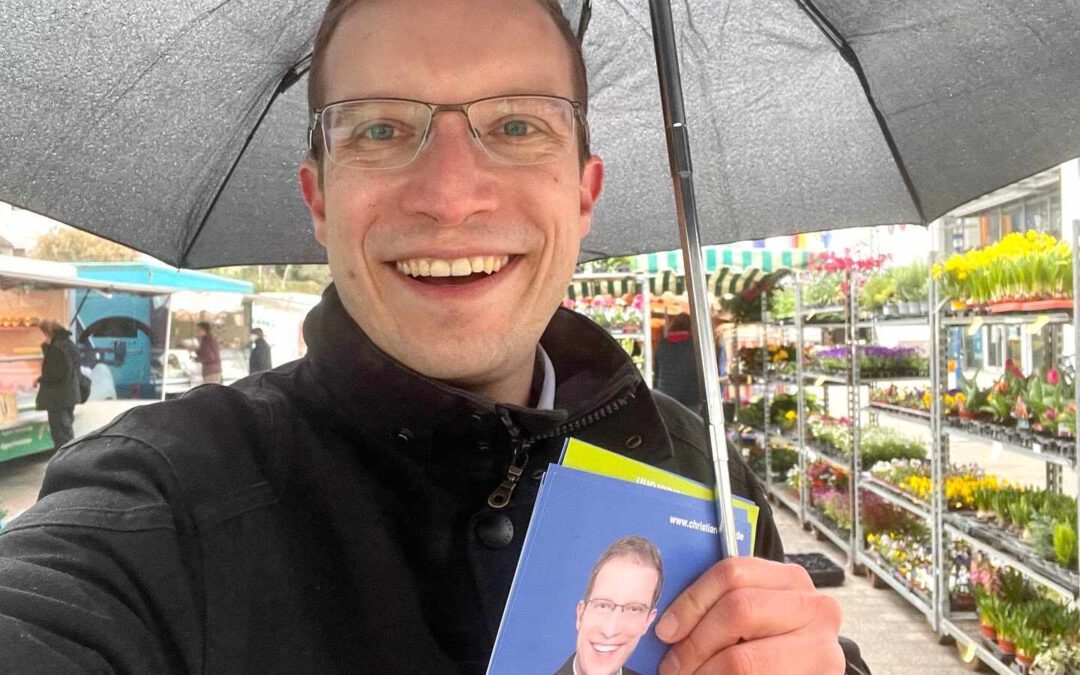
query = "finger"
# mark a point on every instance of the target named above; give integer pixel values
(802, 653)
(750, 614)
(684, 613)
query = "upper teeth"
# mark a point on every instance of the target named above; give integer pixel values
(458, 267)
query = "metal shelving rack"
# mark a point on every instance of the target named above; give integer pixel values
(964, 628)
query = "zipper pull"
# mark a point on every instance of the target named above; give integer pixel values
(501, 495)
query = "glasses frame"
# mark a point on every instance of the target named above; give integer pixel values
(621, 608)
(315, 121)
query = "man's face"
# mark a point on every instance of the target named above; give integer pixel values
(453, 202)
(606, 639)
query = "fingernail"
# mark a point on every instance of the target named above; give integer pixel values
(667, 627)
(670, 664)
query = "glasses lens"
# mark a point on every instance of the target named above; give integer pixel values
(524, 129)
(374, 134)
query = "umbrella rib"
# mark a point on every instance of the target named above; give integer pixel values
(852, 59)
(291, 77)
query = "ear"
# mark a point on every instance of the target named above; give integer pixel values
(580, 611)
(592, 182)
(313, 197)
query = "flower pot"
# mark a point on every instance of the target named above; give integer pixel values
(1024, 660)
(988, 632)
(1004, 307)
(1007, 647)
(1046, 305)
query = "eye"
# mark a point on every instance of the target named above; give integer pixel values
(516, 128)
(378, 132)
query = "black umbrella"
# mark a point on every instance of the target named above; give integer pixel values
(132, 120)
(176, 127)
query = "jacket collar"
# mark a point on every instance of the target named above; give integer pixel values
(381, 396)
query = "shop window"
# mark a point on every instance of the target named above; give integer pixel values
(1014, 345)
(1037, 214)
(1012, 218)
(993, 346)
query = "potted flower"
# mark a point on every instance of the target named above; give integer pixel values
(1009, 623)
(989, 608)
(1029, 641)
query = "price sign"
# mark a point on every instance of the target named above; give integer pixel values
(996, 448)
(976, 324)
(1037, 325)
(1036, 448)
(820, 381)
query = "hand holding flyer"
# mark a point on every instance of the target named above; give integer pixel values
(603, 559)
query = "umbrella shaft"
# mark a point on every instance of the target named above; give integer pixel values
(682, 175)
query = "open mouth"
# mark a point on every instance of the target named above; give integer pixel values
(605, 648)
(444, 272)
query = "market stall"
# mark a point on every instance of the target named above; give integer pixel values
(30, 292)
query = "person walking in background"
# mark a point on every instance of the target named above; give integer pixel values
(208, 353)
(260, 352)
(676, 374)
(59, 382)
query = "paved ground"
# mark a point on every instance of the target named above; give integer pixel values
(894, 637)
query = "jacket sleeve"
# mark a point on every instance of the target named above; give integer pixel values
(92, 577)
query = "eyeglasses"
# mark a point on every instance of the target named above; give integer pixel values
(603, 607)
(389, 133)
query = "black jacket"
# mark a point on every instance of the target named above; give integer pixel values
(327, 516)
(59, 373)
(260, 356)
(676, 371)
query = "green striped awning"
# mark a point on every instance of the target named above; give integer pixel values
(766, 260)
(722, 281)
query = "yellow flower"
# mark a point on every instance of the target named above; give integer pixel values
(790, 415)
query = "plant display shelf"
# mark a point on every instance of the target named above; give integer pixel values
(899, 412)
(1036, 451)
(969, 642)
(1015, 319)
(1010, 551)
(877, 320)
(818, 455)
(888, 575)
(895, 496)
(824, 378)
(828, 529)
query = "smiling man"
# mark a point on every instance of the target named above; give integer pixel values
(618, 607)
(363, 509)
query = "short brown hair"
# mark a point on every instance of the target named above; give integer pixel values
(636, 548)
(337, 9)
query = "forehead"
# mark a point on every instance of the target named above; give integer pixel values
(625, 579)
(446, 51)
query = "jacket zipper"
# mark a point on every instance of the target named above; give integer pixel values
(501, 495)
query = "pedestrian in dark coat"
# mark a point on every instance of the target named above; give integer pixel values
(260, 352)
(676, 372)
(59, 381)
(208, 354)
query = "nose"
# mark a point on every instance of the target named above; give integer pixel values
(451, 180)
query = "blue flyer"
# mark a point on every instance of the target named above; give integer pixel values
(602, 560)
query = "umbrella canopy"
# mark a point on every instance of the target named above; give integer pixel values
(176, 128)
